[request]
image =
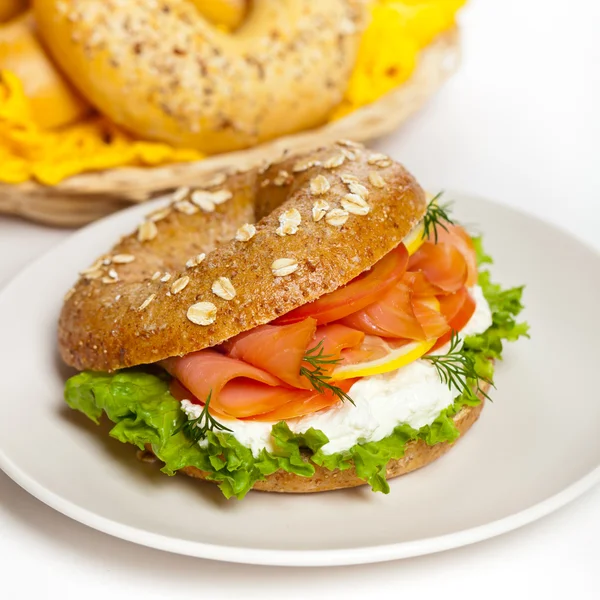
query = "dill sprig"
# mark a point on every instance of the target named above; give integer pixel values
(436, 216)
(197, 429)
(457, 370)
(317, 376)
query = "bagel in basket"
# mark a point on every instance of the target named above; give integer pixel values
(310, 325)
(160, 70)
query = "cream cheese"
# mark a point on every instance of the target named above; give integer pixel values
(482, 317)
(412, 394)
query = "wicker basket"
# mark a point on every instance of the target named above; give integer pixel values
(84, 198)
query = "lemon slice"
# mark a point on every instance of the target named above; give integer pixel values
(396, 358)
(414, 239)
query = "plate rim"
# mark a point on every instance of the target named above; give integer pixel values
(297, 558)
(301, 558)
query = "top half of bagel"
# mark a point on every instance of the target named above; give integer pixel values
(236, 253)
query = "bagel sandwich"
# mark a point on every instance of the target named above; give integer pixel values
(313, 324)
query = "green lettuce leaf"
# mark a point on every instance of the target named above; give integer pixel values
(145, 414)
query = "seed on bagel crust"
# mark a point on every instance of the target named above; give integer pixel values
(203, 200)
(292, 215)
(223, 288)
(282, 178)
(147, 231)
(348, 179)
(94, 274)
(376, 179)
(355, 204)
(202, 313)
(289, 221)
(305, 164)
(358, 188)
(93, 268)
(195, 260)
(180, 194)
(336, 217)
(379, 160)
(113, 274)
(319, 185)
(179, 284)
(348, 154)
(147, 301)
(123, 259)
(337, 160)
(245, 233)
(221, 196)
(284, 266)
(265, 183)
(160, 214)
(185, 207)
(216, 179)
(350, 144)
(106, 261)
(320, 207)
(376, 156)
(156, 275)
(165, 277)
(107, 279)
(262, 169)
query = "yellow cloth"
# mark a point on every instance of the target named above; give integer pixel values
(398, 30)
(27, 152)
(390, 46)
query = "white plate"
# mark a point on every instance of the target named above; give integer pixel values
(534, 449)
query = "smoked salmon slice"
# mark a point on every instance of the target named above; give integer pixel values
(442, 264)
(291, 403)
(334, 340)
(419, 285)
(280, 349)
(457, 308)
(460, 239)
(237, 388)
(243, 383)
(400, 314)
(277, 349)
(358, 293)
(432, 321)
(372, 348)
(180, 392)
(304, 403)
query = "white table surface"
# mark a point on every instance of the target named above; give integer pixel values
(519, 124)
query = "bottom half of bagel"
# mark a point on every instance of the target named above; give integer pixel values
(417, 454)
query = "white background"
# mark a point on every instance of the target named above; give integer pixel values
(520, 124)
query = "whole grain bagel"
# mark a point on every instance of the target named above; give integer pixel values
(161, 70)
(274, 238)
(418, 454)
